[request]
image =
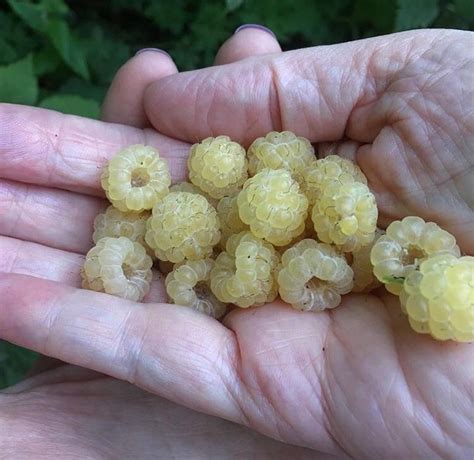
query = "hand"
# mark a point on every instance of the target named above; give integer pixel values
(353, 381)
(73, 411)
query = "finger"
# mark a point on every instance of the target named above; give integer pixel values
(124, 100)
(314, 92)
(248, 40)
(172, 351)
(292, 91)
(32, 259)
(56, 218)
(44, 147)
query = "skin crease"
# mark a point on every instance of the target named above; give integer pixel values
(352, 382)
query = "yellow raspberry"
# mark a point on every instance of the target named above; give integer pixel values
(244, 274)
(345, 214)
(191, 188)
(324, 172)
(189, 285)
(119, 267)
(313, 276)
(218, 166)
(439, 297)
(281, 150)
(273, 206)
(364, 278)
(231, 223)
(136, 178)
(115, 223)
(183, 226)
(406, 244)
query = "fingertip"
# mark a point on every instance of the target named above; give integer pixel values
(124, 100)
(248, 40)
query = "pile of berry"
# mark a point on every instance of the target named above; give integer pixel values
(274, 220)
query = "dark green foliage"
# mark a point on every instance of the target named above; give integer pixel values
(14, 361)
(63, 54)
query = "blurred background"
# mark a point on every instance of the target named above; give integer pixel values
(63, 54)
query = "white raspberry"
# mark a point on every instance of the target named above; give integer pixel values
(244, 274)
(326, 171)
(119, 267)
(218, 166)
(439, 297)
(273, 206)
(115, 223)
(345, 214)
(281, 150)
(313, 276)
(136, 178)
(183, 226)
(406, 244)
(189, 285)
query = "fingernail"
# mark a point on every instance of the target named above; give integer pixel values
(157, 50)
(255, 26)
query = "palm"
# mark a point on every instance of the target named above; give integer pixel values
(354, 380)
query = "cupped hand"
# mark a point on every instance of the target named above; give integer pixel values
(355, 381)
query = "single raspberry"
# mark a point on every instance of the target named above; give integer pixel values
(364, 278)
(115, 223)
(282, 150)
(189, 285)
(324, 172)
(273, 206)
(244, 274)
(345, 214)
(439, 297)
(406, 244)
(231, 223)
(218, 166)
(119, 267)
(183, 226)
(191, 188)
(313, 276)
(136, 178)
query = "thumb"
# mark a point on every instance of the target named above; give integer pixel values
(312, 92)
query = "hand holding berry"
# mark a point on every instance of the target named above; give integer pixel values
(354, 381)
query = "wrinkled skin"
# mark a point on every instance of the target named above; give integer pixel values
(355, 381)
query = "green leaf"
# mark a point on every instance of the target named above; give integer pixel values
(14, 363)
(46, 60)
(72, 104)
(18, 82)
(412, 14)
(68, 47)
(83, 88)
(232, 5)
(465, 8)
(373, 16)
(35, 16)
